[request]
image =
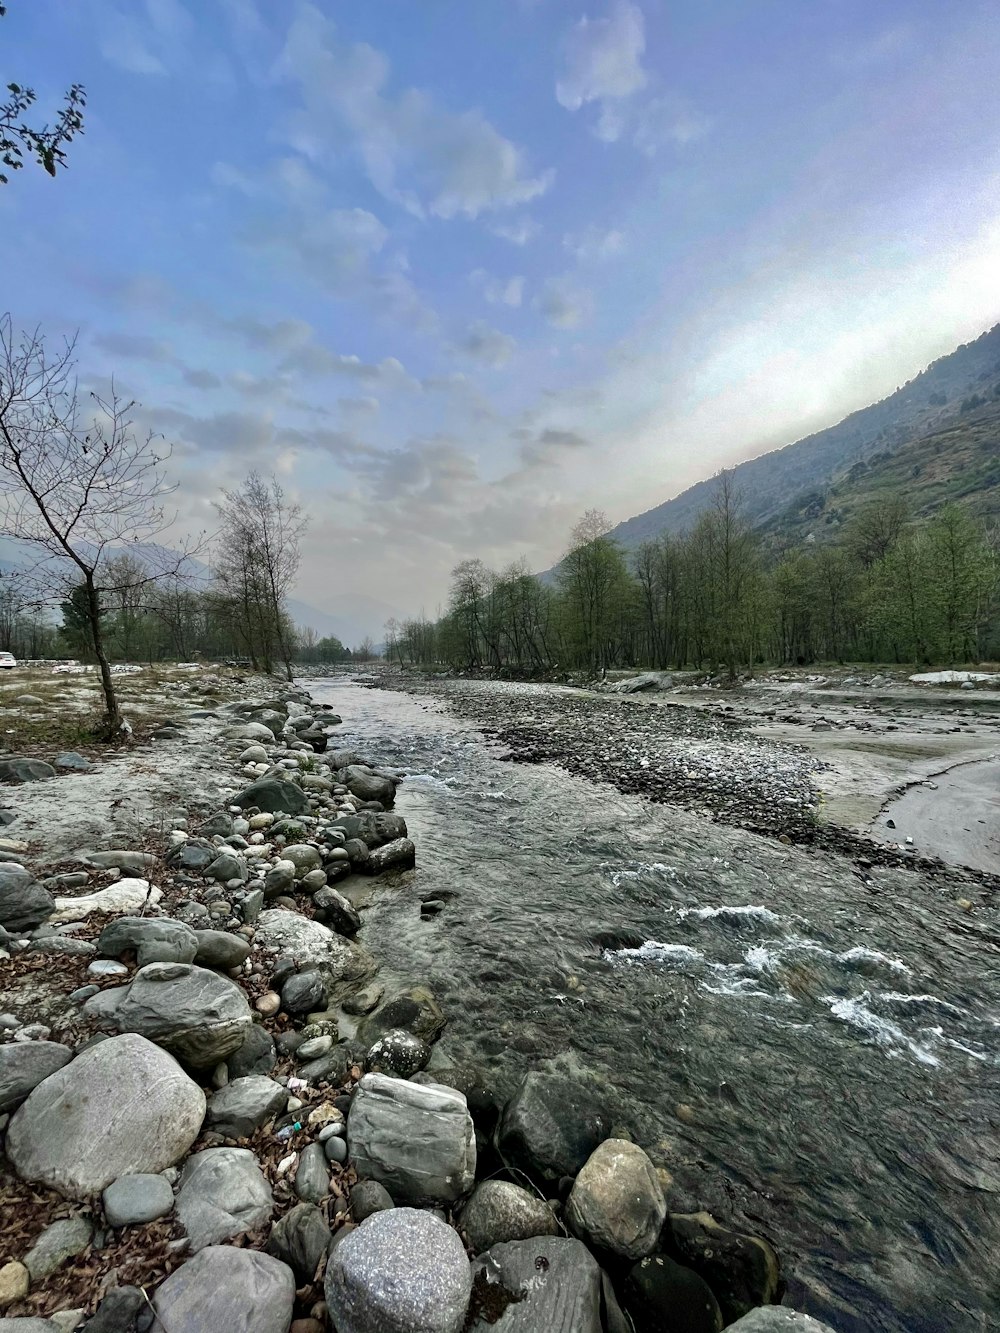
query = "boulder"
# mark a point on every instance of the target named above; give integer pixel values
(366, 785)
(71, 761)
(401, 1271)
(303, 857)
(25, 770)
(334, 910)
(551, 1126)
(415, 1010)
(399, 1053)
(256, 1055)
(133, 1200)
(221, 949)
(193, 1013)
(776, 1319)
(122, 1106)
(125, 895)
(368, 1197)
(24, 1064)
(23, 903)
(273, 796)
(122, 858)
(300, 1239)
(226, 866)
(305, 992)
(743, 1271)
(151, 939)
(418, 1141)
(279, 879)
(222, 1193)
(524, 1286)
(312, 1178)
(660, 1296)
(219, 824)
(616, 1203)
(226, 1289)
(398, 855)
(243, 1105)
(499, 1211)
(346, 965)
(251, 731)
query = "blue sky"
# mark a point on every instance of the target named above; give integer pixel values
(457, 270)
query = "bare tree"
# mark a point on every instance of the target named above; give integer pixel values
(77, 486)
(256, 563)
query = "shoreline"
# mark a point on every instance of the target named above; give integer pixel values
(263, 962)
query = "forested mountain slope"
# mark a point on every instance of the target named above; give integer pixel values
(929, 407)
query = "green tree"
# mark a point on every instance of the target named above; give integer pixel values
(45, 144)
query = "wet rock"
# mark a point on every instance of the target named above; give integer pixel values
(398, 1053)
(255, 1056)
(23, 1065)
(122, 1106)
(336, 911)
(58, 1242)
(132, 1200)
(662, 1297)
(152, 939)
(220, 949)
(366, 785)
(300, 1239)
(743, 1271)
(775, 1319)
(415, 1011)
(23, 903)
(198, 1016)
(244, 1104)
(616, 1203)
(499, 1211)
(227, 1289)
(346, 965)
(528, 1285)
(273, 796)
(401, 1271)
(398, 855)
(418, 1141)
(312, 1178)
(222, 1193)
(304, 992)
(551, 1126)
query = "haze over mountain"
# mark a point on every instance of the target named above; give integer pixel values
(457, 273)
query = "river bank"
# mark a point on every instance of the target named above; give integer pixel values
(205, 1090)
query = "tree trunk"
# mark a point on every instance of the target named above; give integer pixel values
(112, 717)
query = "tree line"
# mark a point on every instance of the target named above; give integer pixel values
(716, 598)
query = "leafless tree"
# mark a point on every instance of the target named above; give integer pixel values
(78, 486)
(257, 558)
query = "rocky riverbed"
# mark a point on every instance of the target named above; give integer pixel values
(215, 1116)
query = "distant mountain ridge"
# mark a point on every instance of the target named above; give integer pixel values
(929, 403)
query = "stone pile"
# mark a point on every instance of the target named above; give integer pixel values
(299, 1178)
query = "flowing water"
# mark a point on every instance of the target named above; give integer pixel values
(813, 1057)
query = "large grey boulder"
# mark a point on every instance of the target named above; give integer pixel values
(193, 1013)
(776, 1319)
(273, 796)
(245, 1104)
(499, 1211)
(23, 903)
(366, 785)
(346, 965)
(152, 939)
(551, 1126)
(222, 1192)
(416, 1140)
(401, 1271)
(552, 1283)
(415, 1010)
(122, 1106)
(25, 770)
(24, 1064)
(224, 1289)
(617, 1203)
(401, 854)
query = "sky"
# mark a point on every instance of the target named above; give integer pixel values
(458, 270)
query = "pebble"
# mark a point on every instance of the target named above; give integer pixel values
(335, 1149)
(15, 1282)
(268, 1004)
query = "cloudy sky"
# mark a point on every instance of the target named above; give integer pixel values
(457, 270)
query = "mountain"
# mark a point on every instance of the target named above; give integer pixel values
(929, 407)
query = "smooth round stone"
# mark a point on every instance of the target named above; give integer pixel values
(135, 1199)
(334, 1130)
(335, 1149)
(312, 1050)
(268, 1004)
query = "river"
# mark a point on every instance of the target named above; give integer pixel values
(813, 1054)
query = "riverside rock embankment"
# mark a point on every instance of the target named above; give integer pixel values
(214, 1117)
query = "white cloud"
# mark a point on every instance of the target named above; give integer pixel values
(519, 232)
(594, 243)
(667, 120)
(149, 38)
(602, 62)
(488, 345)
(563, 303)
(498, 291)
(419, 155)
